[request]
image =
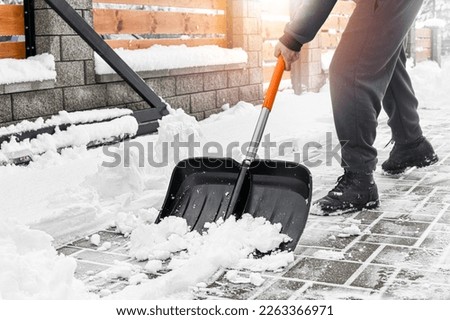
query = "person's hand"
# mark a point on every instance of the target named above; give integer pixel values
(289, 55)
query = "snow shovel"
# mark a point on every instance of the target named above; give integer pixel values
(204, 190)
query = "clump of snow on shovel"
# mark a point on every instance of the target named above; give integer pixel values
(177, 127)
(225, 245)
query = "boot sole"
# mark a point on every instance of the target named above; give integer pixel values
(340, 211)
(425, 163)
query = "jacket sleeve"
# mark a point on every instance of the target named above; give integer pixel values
(309, 17)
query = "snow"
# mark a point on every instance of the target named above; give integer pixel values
(153, 266)
(254, 278)
(70, 195)
(95, 240)
(432, 23)
(30, 267)
(326, 59)
(160, 57)
(74, 136)
(223, 245)
(329, 255)
(37, 68)
(64, 117)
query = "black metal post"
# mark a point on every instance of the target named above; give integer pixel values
(88, 34)
(30, 35)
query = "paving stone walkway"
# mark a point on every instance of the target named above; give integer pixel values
(402, 251)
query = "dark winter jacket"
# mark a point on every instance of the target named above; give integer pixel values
(309, 17)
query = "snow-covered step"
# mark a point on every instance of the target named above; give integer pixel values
(92, 128)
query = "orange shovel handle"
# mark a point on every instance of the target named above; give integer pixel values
(274, 84)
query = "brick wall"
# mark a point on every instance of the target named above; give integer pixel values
(199, 91)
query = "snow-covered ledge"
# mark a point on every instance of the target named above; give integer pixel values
(113, 77)
(34, 73)
(163, 61)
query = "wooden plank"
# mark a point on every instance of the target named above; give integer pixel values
(11, 20)
(14, 50)
(423, 33)
(331, 23)
(344, 8)
(197, 4)
(273, 29)
(423, 55)
(424, 43)
(108, 21)
(147, 43)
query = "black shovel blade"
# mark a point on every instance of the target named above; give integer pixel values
(201, 188)
(281, 193)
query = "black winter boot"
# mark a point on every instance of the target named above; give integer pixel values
(354, 191)
(416, 154)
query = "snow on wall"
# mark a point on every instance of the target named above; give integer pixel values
(173, 57)
(36, 68)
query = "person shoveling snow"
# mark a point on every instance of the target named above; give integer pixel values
(368, 71)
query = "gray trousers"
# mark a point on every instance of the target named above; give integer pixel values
(368, 72)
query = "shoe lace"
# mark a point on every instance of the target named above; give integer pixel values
(389, 143)
(342, 182)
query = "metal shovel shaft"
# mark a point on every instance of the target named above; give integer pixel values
(252, 151)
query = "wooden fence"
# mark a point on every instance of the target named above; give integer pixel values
(332, 30)
(275, 15)
(12, 24)
(165, 22)
(423, 44)
(190, 22)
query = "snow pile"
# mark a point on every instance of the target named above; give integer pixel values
(173, 57)
(95, 240)
(126, 222)
(223, 245)
(177, 127)
(430, 79)
(273, 262)
(122, 179)
(30, 268)
(64, 117)
(36, 68)
(121, 270)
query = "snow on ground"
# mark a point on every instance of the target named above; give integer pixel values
(31, 269)
(72, 194)
(175, 57)
(36, 68)
(223, 245)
